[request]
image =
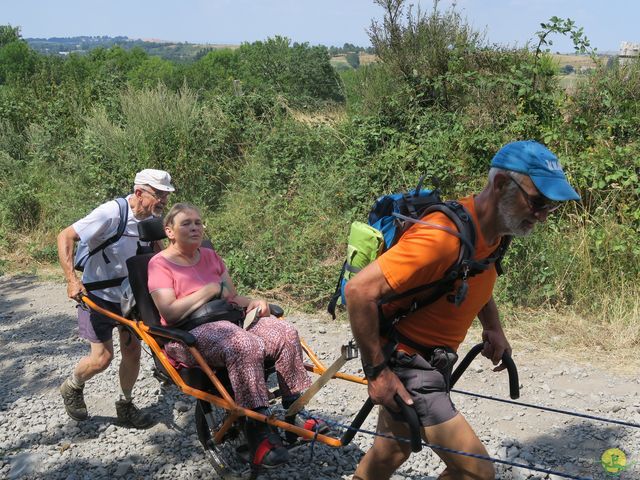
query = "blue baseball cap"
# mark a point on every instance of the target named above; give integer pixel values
(538, 163)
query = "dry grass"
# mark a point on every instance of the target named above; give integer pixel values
(365, 59)
(577, 61)
(568, 335)
(329, 116)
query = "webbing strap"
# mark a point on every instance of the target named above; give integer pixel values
(100, 284)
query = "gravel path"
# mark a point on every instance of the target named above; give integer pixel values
(39, 346)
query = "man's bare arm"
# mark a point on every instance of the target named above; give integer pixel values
(66, 241)
(362, 293)
(495, 341)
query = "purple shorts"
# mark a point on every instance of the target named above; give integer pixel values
(94, 326)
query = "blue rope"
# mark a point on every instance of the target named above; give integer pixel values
(458, 452)
(549, 409)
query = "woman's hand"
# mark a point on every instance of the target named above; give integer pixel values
(262, 305)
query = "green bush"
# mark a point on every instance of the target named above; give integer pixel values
(282, 163)
(21, 208)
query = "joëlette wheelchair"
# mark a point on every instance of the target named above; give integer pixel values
(219, 420)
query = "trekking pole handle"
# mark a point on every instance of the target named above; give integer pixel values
(357, 422)
(408, 412)
(411, 416)
(514, 382)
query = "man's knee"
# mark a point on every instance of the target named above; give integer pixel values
(385, 458)
(101, 359)
(485, 470)
(249, 348)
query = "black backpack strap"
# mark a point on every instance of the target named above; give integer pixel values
(100, 284)
(123, 207)
(466, 232)
(479, 266)
(500, 252)
(333, 302)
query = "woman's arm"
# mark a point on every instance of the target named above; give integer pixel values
(173, 310)
(230, 294)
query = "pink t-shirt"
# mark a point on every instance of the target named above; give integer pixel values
(185, 279)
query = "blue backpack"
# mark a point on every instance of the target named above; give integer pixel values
(390, 216)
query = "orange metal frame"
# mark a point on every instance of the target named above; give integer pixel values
(224, 400)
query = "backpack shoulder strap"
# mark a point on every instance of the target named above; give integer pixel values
(466, 232)
(500, 252)
(123, 207)
(479, 266)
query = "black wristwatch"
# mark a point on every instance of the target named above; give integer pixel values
(372, 371)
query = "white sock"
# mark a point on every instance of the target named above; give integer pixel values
(75, 381)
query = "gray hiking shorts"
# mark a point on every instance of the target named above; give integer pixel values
(428, 386)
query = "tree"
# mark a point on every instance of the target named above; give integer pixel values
(353, 59)
(424, 49)
(299, 72)
(151, 71)
(9, 34)
(17, 62)
(215, 71)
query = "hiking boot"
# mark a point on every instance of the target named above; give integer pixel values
(131, 416)
(74, 401)
(265, 445)
(312, 424)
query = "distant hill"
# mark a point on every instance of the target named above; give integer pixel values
(176, 51)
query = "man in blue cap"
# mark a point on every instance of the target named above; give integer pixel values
(525, 185)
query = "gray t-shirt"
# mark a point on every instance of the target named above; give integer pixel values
(100, 225)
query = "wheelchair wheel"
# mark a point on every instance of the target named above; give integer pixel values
(225, 456)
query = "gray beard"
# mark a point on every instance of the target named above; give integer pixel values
(509, 222)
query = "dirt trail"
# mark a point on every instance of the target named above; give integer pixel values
(39, 345)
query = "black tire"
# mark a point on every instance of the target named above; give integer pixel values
(224, 456)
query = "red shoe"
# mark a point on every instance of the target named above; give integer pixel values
(312, 424)
(265, 445)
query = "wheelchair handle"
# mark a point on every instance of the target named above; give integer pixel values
(514, 382)
(408, 412)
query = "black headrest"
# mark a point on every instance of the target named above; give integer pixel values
(138, 276)
(151, 229)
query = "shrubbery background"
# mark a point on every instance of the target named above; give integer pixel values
(282, 153)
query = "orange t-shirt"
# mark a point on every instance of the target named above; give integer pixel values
(421, 256)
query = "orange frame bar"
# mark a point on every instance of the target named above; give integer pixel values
(225, 400)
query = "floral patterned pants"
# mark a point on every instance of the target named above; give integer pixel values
(243, 352)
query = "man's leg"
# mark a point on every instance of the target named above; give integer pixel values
(72, 390)
(97, 361)
(457, 434)
(386, 455)
(130, 364)
(128, 414)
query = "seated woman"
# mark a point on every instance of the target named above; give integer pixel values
(182, 278)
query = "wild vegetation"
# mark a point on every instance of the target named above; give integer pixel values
(283, 153)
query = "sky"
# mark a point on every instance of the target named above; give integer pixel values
(327, 22)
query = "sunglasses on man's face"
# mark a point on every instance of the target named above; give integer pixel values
(538, 203)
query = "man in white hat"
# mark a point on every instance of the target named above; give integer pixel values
(110, 236)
